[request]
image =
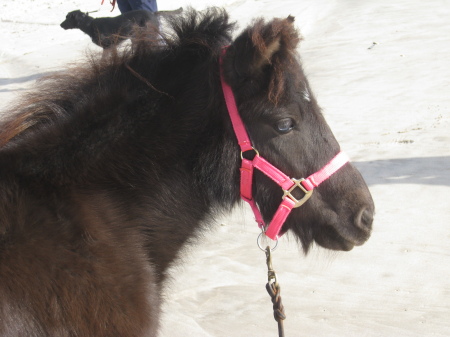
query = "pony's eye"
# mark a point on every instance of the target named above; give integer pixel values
(285, 125)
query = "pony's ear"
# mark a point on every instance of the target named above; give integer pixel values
(258, 47)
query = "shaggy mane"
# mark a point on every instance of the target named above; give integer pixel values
(57, 97)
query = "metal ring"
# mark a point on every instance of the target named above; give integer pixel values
(258, 241)
(253, 149)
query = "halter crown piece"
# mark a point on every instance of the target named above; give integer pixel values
(286, 183)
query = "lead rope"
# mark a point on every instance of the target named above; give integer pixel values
(273, 288)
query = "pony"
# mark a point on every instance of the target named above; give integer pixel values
(109, 168)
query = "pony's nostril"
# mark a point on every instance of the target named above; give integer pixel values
(364, 219)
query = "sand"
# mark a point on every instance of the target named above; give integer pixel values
(381, 72)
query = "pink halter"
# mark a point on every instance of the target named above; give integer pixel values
(287, 184)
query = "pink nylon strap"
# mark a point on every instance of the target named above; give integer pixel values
(258, 217)
(286, 183)
(246, 179)
(279, 218)
(238, 126)
(272, 172)
(325, 172)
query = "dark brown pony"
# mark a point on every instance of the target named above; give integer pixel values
(108, 169)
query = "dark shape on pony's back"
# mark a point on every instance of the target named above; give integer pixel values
(108, 169)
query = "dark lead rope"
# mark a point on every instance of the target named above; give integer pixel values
(273, 288)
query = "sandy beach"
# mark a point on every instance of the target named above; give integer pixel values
(381, 72)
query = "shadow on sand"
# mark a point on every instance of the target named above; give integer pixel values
(24, 79)
(428, 170)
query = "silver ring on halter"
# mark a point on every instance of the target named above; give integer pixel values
(258, 241)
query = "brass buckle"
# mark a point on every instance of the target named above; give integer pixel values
(288, 193)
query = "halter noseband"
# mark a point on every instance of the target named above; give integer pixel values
(287, 184)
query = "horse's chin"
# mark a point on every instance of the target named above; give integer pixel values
(334, 244)
(328, 237)
(337, 234)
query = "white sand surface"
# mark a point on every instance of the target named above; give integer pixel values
(389, 107)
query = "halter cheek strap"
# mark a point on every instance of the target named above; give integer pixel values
(287, 184)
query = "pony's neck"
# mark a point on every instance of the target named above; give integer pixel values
(149, 163)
